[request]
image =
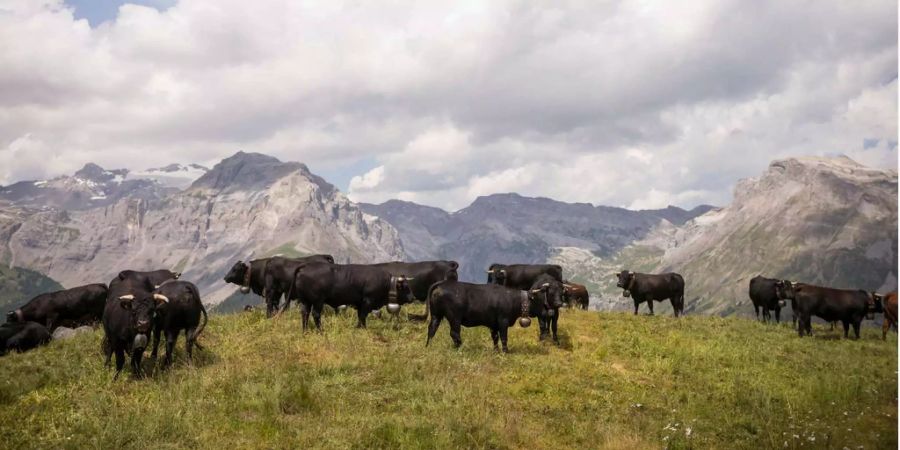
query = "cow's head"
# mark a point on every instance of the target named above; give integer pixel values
(784, 290)
(551, 295)
(625, 280)
(142, 307)
(238, 273)
(874, 305)
(13, 316)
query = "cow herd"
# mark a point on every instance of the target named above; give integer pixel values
(137, 308)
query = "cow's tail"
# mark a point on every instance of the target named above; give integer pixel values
(289, 294)
(200, 328)
(424, 317)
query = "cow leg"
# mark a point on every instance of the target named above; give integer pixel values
(317, 315)
(455, 328)
(361, 313)
(495, 336)
(756, 308)
(107, 350)
(885, 326)
(504, 333)
(432, 328)
(120, 361)
(636, 306)
(800, 327)
(846, 324)
(136, 356)
(155, 332)
(777, 315)
(553, 322)
(189, 342)
(807, 323)
(544, 326)
(650, 305)
(304, 313)
(856, 325)
(171, 337)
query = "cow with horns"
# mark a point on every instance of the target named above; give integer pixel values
(642, 287)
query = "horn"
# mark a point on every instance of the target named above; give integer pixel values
(535, 291)
(503, 271)
(545, 285)
(128, 297)
(160, 297)
(410, 278)
(490, 271)
(177, 275)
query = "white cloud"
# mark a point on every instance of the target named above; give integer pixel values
(623, 103)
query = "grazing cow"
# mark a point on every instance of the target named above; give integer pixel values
(270, 278)
(551, 290)
(179, 309)
(22, 336)
(847, 306)
(521, 276)
(642, 287)
(576, 294)
(152, 278)
(74, 307)
(890, 314)
(488, 305)
(127, 321)
(422, 274)
(763, 295)
(363, 287)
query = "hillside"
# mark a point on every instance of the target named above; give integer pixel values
(18, 285)
(617, 381)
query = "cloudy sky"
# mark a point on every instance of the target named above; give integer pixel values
(635, 103)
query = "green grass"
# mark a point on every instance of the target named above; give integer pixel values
(18, 285)
(617, 381)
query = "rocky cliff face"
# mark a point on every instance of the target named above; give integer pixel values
(826, 221)
(249, 205)
(515, 229)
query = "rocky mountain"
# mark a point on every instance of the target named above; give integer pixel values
(174, 175)
(248, 205)
(90, 187)
(512, 228)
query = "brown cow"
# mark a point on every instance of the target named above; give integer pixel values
(576, 294)
(890, 314)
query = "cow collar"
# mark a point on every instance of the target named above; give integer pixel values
(392, 292)
(631, 283)
(247, 275)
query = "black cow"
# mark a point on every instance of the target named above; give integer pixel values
(152, 278)
(762, 294)
(22, 336)
(128, 319)
(487, 305)
(422, 274)
(642, 287)
(74, 307)
(180, 309)
(364, 287)
(844, 305)
(271, 278)
(552, 291)
(521, 276)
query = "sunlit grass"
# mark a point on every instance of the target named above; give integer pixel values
(617, 381)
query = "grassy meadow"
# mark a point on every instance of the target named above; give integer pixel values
(617, 381)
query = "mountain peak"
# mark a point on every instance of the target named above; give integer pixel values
(246, 170)
(93, 172)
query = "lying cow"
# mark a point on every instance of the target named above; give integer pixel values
(849, 307)
(22, 336)
(890, 314)
(521, 276)
(152, 278)
(270, 278)
(487, 305)
(179, 309)
(127, 320)
(642, 287)
(576, 294)
(363, 287)
(74, 307)
(762, 294)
